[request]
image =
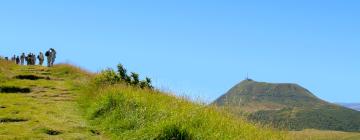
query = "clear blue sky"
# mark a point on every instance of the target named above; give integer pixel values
(198, 48)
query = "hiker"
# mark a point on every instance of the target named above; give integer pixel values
(28, 60)
(22, 58)
(18, 60)
(7, 58)
(53, 56)
(41, 58)
(33, 59)
(49, 59)
(13, 59)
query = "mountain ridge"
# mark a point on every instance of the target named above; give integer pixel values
(287, 105)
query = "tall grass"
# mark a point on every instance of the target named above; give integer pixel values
(127, 112)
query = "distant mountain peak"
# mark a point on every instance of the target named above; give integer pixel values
(287, 105)
(250, 91)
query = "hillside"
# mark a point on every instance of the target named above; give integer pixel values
(65, 102)
(355, 106)
(40, 103)
(287, 106)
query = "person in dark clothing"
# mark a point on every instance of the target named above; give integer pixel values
(22, 58)
(49, 58)
(41, 58)
(18, 60)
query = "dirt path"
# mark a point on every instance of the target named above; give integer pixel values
(44, 107)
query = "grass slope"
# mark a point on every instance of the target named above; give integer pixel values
(126, 112)
(49, 111)
(312, 134)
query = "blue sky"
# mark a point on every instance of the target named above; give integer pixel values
(198, 48)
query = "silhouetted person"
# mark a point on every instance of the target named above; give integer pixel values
(53, 56)
(22, 58)
(17, 60)
(33, 58)
(28, 59)
(49, 58)
(41, 58)
(13, 59)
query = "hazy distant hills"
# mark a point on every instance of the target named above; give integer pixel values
(287, 106)
(355, 106)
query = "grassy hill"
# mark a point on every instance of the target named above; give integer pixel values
(288, 106)
(40, 103)
(65, 102)
(129, 112)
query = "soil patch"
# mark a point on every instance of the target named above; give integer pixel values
(51, 132)
(13, 89)
(9, 120)
(31, 77)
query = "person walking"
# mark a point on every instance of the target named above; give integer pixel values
(41, 58)
(28, 59)
(53, 56)
(18, 60)
(13, 59)
(22, 58)
(34, 59)
(49, 58)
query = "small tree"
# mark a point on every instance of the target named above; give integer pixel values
(143, 84)
(135, 78)
(148, 82)
(128, 79)
(122, 72)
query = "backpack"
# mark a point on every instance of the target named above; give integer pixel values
(47, 53)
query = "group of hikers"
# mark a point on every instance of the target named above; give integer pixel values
(31, 58)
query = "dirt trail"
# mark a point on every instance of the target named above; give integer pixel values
(47, 111)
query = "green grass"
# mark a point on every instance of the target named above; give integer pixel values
(126, 112)
(311, 134)
(49, 111)
(70, 105)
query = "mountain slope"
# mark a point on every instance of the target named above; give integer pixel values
(127, 112)
(65, 102)
(39, 103)
(287, 106)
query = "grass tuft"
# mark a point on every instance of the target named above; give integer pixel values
(174, 132)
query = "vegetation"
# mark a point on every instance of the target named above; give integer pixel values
(125, 111)
(287, 106)
(109, 76)
(109, 109)
(312, 134)
(49, 110)
(113, 109)
(322, 118)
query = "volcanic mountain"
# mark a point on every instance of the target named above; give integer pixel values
(288, 106)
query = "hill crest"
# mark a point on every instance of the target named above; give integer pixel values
(287, 105)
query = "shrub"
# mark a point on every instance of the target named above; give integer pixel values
(122, 71)
(110, 77)
(107, 76)
(134, 78)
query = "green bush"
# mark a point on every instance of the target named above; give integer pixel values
(110, 77)
(107, 76)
